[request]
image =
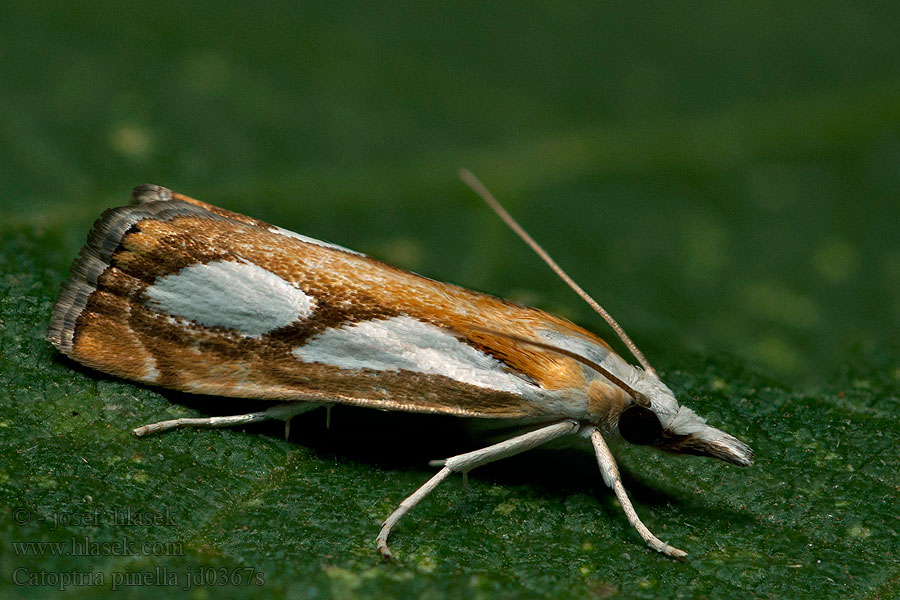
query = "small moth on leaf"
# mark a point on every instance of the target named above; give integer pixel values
(174, 292)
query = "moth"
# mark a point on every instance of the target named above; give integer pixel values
(173, 292)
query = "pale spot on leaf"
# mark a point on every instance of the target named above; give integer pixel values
(777, 352)
(403, 252)
(836, 261)
(131, 141)
(775, 302)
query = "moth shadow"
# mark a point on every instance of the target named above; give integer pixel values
(408, 441)
(88, 373)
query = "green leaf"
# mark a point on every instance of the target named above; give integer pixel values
(817, 511)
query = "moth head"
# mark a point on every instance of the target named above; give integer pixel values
(658, 420)
(645, 410)
(650, 414)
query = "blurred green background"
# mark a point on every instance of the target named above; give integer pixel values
(724, 180)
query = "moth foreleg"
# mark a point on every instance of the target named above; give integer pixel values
(610, 473)
(279, 411)
(463, 463)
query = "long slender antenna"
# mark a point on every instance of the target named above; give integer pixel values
(639, 398)
(479, 188)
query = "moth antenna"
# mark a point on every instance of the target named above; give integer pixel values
(480, 189)
(639, 398)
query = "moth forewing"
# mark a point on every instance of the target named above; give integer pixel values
(174, 292)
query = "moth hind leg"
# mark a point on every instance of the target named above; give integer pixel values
(279, 411)
(463, 463)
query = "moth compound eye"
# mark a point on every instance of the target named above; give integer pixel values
(639, 425)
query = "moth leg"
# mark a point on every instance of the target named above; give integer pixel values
(610, 473)
(279, 411)
(465, 462)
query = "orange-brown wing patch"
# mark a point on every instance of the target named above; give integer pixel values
(103, 318)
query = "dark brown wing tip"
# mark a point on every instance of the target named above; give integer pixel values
(73, 298)
(148, 201)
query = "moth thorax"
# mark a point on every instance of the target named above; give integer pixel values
(606, 402)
